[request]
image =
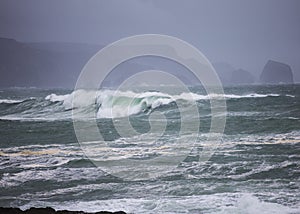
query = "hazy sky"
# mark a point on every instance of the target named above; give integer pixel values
(243, 33)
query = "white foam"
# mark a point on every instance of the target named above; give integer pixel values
(114, 104)
(56, 98)
(249, 204)
(289, 95)
(262, 168)
(10, 101)
(215, 203)
(83, 99)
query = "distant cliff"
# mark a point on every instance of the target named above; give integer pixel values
(52, 64)
(42, 64)
(276, 72)
(241, 76)
(59, 65)
(231, 76)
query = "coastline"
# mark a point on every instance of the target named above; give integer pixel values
(49, 210)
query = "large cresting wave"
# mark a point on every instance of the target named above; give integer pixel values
(105, 103)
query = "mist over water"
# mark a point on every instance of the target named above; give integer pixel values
(239, 38)
(150, 136)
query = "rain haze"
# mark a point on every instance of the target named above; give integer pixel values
(232, 34)
(108, 105)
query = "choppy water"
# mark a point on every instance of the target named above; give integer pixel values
(255, 169)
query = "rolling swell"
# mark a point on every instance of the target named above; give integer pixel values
(256, 166)
(113, 104)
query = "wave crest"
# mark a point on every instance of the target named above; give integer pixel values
(106, 103)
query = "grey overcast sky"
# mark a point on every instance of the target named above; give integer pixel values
(242, 33)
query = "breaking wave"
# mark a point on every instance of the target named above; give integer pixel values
(105, 103)
(113, 104)
(10, 101)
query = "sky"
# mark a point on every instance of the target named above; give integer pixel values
(242, 33)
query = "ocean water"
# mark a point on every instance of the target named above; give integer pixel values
(255, 169)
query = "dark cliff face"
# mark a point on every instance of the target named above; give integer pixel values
(241, 76)
(48, 210)
(59, 65)
(231, 76)
(42, 65)
(276, 72)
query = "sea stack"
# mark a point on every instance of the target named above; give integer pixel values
(276, 73)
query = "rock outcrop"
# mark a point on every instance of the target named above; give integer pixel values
(49, 210)
(241, 76)
(47, 65)
(231, 76)
(276, 73)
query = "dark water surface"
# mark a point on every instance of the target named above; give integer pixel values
(255, 168)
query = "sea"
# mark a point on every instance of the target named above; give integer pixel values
(254, 167)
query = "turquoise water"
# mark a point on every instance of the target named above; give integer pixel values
(256, 167)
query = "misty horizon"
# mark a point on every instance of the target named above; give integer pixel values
(242, 35)
(149, 106)
(84, 51)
